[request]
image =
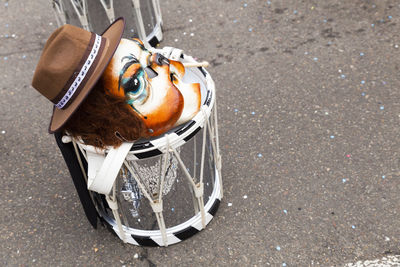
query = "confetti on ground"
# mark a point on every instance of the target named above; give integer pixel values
(390, 17)
(383, 176)
(295, 12)
(353, 226)
(348, 155)
(387, 238)
(332, 136)
(381, 107)
(259, 155)
(192, 34)
(363, 94)
(136, 256)
(3, 132)
(250, 29)
(343, 76)
(236, 110)
(372, 25)
(344, 180)
(284, 264)
(229, 204)
(244, 5)
(253, 113)
(362, 82)
(315, 59)
(285, 211)
(190, 20)
(245, 196)
(176, 40)
(361, 54)
(5, 58)
(172, 209)
(278, 248)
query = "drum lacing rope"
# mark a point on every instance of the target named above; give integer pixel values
(112, 203)
(199, 187)
(111, 200)
(78, 156)
(215, 144)
(156, 203)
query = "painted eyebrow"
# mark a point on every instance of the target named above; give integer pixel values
(140, 45)
(131, 60)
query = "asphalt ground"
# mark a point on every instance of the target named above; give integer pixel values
(308, 102)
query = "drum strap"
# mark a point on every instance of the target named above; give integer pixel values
(102, 171)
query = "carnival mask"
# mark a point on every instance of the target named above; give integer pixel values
(153, 86)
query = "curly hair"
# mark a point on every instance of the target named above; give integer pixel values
(105, 120)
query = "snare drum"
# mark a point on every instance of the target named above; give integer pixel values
(169, 187)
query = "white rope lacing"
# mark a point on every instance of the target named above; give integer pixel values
(198, 188)
(78, 156)
(213, 132)
(113, 204)
(155, 201)
(109, 9)
(81, 10)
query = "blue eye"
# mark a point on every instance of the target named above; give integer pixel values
(135, 88)
(131, 84)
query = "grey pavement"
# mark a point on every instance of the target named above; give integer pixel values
(308, 101)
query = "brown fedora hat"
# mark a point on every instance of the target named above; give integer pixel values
(71, 63)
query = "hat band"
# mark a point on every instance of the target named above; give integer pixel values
(91, 61)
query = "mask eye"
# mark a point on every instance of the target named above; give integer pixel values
(135, 88)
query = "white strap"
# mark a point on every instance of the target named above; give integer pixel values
(101, 175)
(171, 52)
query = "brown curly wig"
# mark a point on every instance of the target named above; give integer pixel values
(105, 120)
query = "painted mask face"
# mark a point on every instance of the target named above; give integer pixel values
(153, 86)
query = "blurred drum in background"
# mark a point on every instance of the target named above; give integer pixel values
(143, 17)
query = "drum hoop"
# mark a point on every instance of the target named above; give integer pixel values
(178, 136)
(177, 233)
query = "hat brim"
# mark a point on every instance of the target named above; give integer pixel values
(112, 35)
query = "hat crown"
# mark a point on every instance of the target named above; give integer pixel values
(61, 56)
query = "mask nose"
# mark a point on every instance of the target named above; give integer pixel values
(160, 59)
